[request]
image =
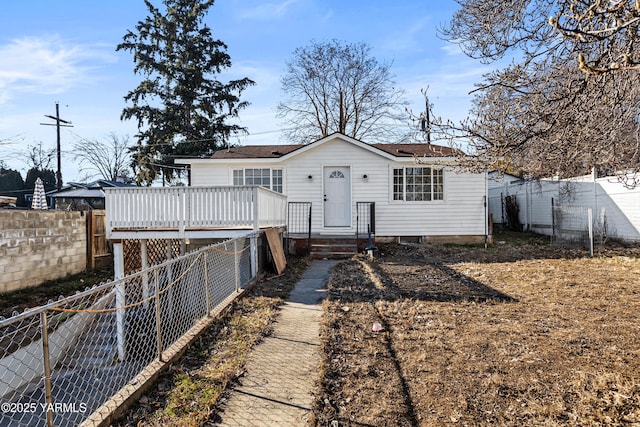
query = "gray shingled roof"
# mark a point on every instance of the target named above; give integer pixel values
(277, 151)
(420, 150)
(255, 152)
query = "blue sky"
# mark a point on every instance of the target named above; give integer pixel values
(65, 52)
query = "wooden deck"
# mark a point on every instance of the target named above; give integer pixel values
(191, 212)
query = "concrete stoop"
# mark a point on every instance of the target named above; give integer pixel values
(328, 247)
(333, 248)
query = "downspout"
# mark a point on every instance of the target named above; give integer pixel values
(486, 210)
(596, 215)
(526, 206)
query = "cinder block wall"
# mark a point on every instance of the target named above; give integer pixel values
(36, 246)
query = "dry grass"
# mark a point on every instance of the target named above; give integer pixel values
(188, 394)
(519, 334)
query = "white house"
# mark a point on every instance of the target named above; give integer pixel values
(394, 190)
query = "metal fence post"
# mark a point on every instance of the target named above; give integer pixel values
(590, 224)
(236, 256)
(553, 221)
(309, 230)
(372, 216)
(206, 283)
(170, 291)
(47, 367)
(144, 262)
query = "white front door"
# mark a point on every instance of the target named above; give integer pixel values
(337, 196)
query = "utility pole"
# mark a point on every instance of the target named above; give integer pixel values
(341, 124)
(59, 123)
(425, 121)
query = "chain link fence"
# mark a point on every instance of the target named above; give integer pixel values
(158, 251)
(577, 226)
(62, 361)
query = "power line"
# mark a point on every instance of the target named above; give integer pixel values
(168, 166)
(269, 131)
(189, 141)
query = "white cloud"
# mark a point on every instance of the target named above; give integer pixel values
(45, 65)
(328, 16)
(449, 83)
(452, 49)
(267, 11)
(265, 74)
(410, 38)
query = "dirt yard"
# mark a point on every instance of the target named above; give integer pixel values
(519, 334)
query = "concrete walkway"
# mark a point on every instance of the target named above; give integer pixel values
(282, 370)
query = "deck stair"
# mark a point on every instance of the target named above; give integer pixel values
(333, 247)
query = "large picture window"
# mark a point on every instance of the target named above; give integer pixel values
(418, 184)
(268, 178)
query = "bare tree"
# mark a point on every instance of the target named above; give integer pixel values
(542, 115)
(37, 157)
(607, 33)
(339, 87)
(108, 160)
(562, 129)
(601, 35)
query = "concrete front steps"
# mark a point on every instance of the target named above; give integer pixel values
(328, 247)
(333, 248)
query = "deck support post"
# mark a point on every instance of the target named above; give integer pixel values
(253, 250)
(118, 272)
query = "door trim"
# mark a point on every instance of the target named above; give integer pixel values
(348, 198)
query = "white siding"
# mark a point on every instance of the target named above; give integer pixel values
(461, 212)
(206, 175)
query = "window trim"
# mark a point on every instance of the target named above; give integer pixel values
(392, 185)
(242, 172)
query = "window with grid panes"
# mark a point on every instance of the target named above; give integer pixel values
(265, 177)
(418, 184)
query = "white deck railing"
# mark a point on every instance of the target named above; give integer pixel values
(184, 208)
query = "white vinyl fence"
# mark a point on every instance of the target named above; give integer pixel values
(615, 208)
